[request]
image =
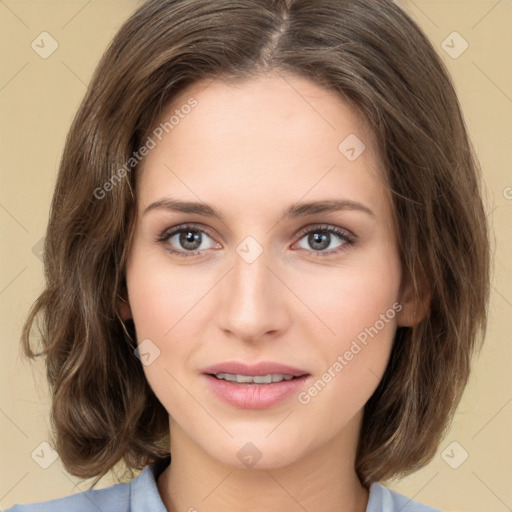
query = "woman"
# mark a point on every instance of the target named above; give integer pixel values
(267, 260)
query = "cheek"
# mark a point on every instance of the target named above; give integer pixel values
(352, 297)
(358, 306)
(161, 302)
(161, 296)
(165, 301)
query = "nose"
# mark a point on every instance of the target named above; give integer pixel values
(254, 299)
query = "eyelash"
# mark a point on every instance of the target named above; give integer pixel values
(344, 236)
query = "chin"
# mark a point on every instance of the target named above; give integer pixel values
(258, 452)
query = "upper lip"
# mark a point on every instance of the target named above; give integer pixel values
(261, 368)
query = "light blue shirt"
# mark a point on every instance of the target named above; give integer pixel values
(141, 495)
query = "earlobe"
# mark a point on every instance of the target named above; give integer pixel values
(414, 307)
(124, 308)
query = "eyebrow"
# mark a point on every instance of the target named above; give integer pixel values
(293, 211)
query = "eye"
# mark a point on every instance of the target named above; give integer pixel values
(188, 238)
(321, 237)
(191, 240)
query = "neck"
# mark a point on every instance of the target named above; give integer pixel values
(324, 480)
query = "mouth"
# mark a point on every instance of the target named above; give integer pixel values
(264, 372)
(256, 386)
(270, 378)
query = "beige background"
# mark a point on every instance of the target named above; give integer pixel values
(38, 98)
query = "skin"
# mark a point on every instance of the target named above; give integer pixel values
(251, 150)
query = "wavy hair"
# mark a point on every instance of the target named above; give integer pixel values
(375, 57)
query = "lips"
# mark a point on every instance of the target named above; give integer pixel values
(250, 394)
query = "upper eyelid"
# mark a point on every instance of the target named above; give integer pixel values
(322, 226)
(181, 227)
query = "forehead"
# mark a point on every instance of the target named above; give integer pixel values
(265, 104)
(271, 138)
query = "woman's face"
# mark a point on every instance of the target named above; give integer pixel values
(303, 291)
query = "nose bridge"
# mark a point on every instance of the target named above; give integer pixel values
(252, 300)
(250, 278)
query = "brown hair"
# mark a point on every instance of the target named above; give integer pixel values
(375, 57)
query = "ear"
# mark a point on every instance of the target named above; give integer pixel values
(123, 305)
(415, 305)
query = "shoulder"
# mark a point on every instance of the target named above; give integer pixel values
(127, 497)
(115, 498)
(383, 499)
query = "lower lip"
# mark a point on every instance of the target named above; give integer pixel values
(254, 396)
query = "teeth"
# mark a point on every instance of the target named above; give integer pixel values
(253, 379)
